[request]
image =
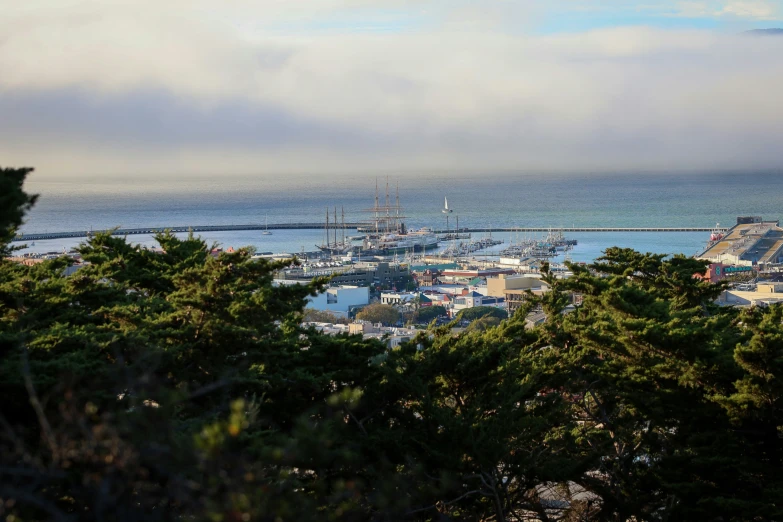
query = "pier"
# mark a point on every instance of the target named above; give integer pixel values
(41, 236)
(588, 229)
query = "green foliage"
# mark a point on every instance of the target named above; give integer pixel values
(428, 313)
(379, 313)
(478, 312)
(180, 386)
(14, 202)
(651, 364)
(323, 316)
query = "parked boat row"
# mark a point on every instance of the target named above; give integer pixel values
(549, 246)
(464, 248)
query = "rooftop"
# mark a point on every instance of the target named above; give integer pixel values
(749, 242)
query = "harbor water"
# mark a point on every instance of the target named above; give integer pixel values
(490, 200)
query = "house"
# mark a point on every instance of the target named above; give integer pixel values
(473, 299)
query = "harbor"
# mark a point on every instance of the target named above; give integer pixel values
(380, 233)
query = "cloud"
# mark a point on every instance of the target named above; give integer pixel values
(753, 9)
(735, 9)
(112, 87)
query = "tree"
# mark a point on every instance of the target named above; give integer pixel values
(379, 313)
(323, 316)
(645, 361)
(428, 313)
(151, 386)
(482, 434)
(477, 312)
(14, 202)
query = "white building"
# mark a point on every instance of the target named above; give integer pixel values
(473, 299)
(396, 298)
(340, 299)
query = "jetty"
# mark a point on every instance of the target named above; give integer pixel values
(41, 236)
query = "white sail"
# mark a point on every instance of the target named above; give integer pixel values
(446, 209)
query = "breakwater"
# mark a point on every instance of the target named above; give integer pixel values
(40, 236)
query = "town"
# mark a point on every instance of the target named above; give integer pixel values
(390, 299)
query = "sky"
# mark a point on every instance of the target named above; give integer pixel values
(190, 88)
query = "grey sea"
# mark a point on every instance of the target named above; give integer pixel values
(480, 201)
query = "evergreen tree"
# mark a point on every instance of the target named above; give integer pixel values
(14, 202)
(379, 313)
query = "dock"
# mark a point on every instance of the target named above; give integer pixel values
(41, 236)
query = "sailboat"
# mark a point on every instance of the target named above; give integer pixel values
(266, 231)
(446, 209)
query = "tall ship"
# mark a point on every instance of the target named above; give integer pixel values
(386, 232)
(340, 244)
(409, 241)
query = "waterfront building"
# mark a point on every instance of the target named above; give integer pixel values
(751, 242)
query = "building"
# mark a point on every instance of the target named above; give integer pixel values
(397, 298)
(391, 335)
(473, 299)
(436, 299)
(764, 294)
(443, 289)
(497, 286)
(359, 274)
(514, 289)
(466, 275)
(428, 277)
(341, 299)
(718, 271)
(751, 242)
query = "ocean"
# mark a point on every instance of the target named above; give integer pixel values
(480, 201)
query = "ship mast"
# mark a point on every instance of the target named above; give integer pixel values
(335, 226)
(377, 205)
(397, 208)
(388, 217)
(326, 228)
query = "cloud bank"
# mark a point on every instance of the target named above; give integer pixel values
(114, 88)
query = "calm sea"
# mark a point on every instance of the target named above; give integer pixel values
(484, 200)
